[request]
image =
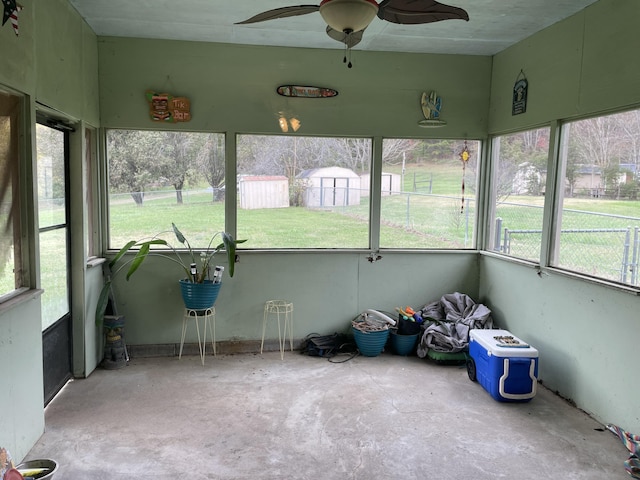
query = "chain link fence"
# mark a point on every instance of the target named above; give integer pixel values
(598, 244)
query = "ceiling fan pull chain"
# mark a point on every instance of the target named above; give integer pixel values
(347, 47)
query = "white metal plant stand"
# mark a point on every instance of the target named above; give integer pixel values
(208, 316)
(283, 311)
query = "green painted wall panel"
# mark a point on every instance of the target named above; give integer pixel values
(232, 88)
(21, 395)
(327, 290)
(611, 74)
(586, 335)
(581, 66)
(585, 332)
(53, 61)
(17, 52)
(551, 62)
(59, 58)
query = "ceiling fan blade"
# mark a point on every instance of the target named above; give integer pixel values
(412, 12)
(281, 13)
(350, 40)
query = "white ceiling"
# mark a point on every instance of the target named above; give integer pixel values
(493, 26)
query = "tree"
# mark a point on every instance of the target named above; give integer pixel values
(50, 149)
(131, 155)
(595, 140)
(174, 158)
(211, 161)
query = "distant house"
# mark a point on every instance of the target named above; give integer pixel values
(589, 180)
(629, 172)
(330, 187)
(263, 191)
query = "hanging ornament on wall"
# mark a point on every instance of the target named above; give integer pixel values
(465, 155)
(11, 10)
(431, 105)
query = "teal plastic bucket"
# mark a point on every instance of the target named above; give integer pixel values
(370, 344)
(404, 344)
(199, 296)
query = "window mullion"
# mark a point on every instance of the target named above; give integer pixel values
(554, 192)
(375, 197)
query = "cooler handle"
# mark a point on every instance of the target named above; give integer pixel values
(519, 396)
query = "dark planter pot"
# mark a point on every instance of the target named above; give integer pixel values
(199, 296)
(404, 344)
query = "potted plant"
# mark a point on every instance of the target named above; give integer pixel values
(198, 284)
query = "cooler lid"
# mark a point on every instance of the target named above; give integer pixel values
(502, 343)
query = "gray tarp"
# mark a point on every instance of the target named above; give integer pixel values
(448, 321)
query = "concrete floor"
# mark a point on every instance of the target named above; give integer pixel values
(249, 416)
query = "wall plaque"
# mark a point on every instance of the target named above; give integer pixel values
(520, 89)
(164, 107)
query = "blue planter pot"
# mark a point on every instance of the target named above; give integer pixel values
(199, 296)
(370, 344)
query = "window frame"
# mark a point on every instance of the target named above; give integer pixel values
(374, 226)
(492, 234)
(21, 189)
(553, 205)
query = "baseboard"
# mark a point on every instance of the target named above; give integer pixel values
(227, 347)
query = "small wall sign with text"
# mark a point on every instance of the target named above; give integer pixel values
(306, 91)
(520, 90)
(164, 107)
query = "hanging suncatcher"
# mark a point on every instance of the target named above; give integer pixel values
(464, 156)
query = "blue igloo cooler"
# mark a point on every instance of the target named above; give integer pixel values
(503, 364)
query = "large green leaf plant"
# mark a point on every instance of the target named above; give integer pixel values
(144, 250)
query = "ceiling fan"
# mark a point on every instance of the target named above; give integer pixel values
(347, 19)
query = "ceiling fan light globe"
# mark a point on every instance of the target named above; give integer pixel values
(348, 15)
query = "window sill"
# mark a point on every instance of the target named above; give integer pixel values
(95, 261)
(13, 299)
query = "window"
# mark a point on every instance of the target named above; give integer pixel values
(11, 271)
(599, 226)
(160, 177)
(53, 221)
(424, 203)
(303, 192)
(519, 175)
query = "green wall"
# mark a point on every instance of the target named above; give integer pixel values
(21, 397)
(586, 333)
(232, 88)
(328, 290)
(53, 62)
(581, 66)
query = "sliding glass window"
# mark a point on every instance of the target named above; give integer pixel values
(293, 192)
(519, 169)
(303, 192)
(599, 223)
(428, 193)
(161, 177)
